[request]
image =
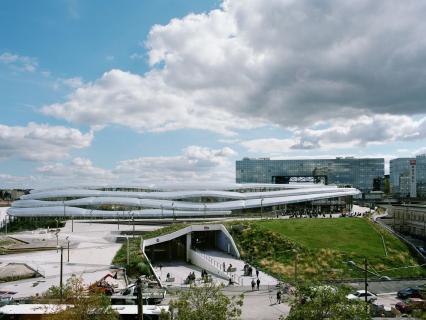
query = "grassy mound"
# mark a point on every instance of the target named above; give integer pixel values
(137, 262)
(319, 249)
(165, 230)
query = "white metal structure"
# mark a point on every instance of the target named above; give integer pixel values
(156, 201)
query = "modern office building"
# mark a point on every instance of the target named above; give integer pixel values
(408, 177)
(179, 200)
(362, 174)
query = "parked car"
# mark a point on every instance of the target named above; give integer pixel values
(410, 304)
(410, 292)
(360, 295)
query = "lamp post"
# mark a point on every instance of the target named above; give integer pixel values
(61, 290)
(173, 210)
(68, 249)
(139, 298)
(133, 223)
(261, 207)
(57, 240)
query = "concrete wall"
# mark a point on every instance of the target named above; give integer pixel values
(224, 243)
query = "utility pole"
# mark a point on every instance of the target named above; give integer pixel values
(61, 289)
(72, 223)
(139, 299)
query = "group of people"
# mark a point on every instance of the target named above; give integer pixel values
(255, 283)
(190, 278)
(248, 271)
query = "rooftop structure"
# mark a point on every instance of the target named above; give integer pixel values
(358, 173)
(168, 200)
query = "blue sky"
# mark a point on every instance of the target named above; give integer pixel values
(136, 91)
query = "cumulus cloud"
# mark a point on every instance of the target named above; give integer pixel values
(291, 63)
(360, 131)
(79, 169)
(41, 142)
(194, 164)
(12, 181)
(19, 63)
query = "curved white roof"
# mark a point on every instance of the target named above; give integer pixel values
(87, 201)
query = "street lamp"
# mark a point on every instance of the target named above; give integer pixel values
(173, 210)
(57, 240)
(261, 207)
(68, 247)
(61, 291)
(133, 222)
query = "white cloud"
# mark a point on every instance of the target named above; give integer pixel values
(11, 181)
(195, 164)
(19, 63)
(344, 134)
(251, 62)
(78, 170)
(41, 142)
(137, 56)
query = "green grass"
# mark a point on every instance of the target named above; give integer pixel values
(165, 230)
(355, 236)
(137, 263)
(322, 248)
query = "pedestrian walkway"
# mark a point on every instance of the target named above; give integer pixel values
(223, 259)
(179, 271)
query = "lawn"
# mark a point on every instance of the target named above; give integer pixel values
(320, 249)
(346, 235)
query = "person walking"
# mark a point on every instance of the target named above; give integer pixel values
(252, 284)
(257, 273)
(279, 297)
(258, 283)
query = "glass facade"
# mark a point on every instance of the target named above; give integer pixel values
(400, 172)
(398, 168)
(359, 173)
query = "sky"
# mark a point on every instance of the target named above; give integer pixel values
(138, 91)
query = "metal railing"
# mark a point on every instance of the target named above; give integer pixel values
(219, 266)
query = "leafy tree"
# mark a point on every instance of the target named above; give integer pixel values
(206, 302)
(325, 302)
(82, 303)
(386, 186)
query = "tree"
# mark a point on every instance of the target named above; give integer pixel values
(325, 302)
(206, 302)
(82, 303)
(386, 186)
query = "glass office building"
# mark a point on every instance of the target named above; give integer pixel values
(363, 174)
(399, 172)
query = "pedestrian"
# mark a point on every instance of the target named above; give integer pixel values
(224, 267)
(258, 283)
(279, 297)
(257, 273)
(252, 284)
